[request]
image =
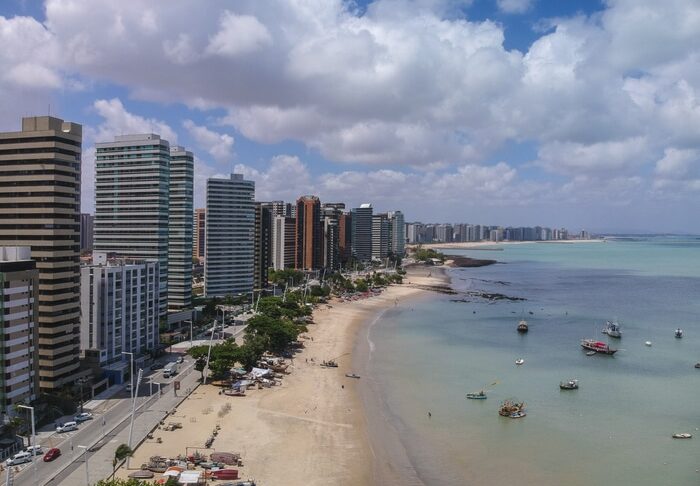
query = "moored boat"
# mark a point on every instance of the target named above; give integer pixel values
(697, 365)
(684, 435)
(519, 361)
(477, 396)
(512, 409)
(612, 329)
(142, 474)
(352, 375)
(647, 343)
(522, 326)
(568, 385)
(597, 346)
(679, 333)
(516, 415)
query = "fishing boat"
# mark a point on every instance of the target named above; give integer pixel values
(519, 361)
(142, 474)
(481, 395)
(352, 375)
(590, 353)
(522, 326)
(679, 333)
(329, 364)
(697, 365)
(647, 343)
(684, 435)
(569, 385)
(612, 329)
(597, 346)
(512, 409)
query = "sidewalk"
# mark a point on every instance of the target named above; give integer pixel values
(102, 455)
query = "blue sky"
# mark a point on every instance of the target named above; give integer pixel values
(571, 113)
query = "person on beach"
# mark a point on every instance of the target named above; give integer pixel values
(430, 415)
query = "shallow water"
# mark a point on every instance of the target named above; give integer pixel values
(616, 428)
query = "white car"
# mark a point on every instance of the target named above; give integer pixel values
(82, 417)
(67, 427)
(37, 450)
(19, 458)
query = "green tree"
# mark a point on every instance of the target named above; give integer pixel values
(361, 285)
(120, 454)
(124, 482)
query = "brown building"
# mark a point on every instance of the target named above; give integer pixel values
(19, 297)
(40, 208)
(309, 234)
(199, 233)
(345, 237)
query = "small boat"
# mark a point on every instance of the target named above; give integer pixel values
(512, 409)
(612, 329)
(647, 343)
(519, 361)
(679, 333)
(142, 474)
(597, 346)
(568, 385)
(477, 396)
(516, 415)
(352, 375)
(590, 353)
(522, 326)
(225, 474)
(697, 365)
(682, 436)
(329, 364)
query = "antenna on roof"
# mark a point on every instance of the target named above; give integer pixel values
(49, 109)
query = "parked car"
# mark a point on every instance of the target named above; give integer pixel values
(67, 427)
(37, 449)
(19, 458)
(155, 366)
(82, 417)
(180, 359)
(52, 454)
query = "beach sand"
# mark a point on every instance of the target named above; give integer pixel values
(311, 430)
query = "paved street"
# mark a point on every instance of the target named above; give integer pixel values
(115, 414)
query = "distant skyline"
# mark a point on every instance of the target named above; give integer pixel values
(582, 114)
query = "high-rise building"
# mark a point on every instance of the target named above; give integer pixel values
(119, 305)
(283, 244)
(230, 228)
(263, 243)
(199, 234)
(132, 183)
(19, 296)
(278, 208)
(397, 233)
(345, 238)
(380, 236)
(362, 233)
(86, 231)
(331, 250)
(180, 229)
(309, 235)
(40, 173)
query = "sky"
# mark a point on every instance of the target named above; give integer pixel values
(582, 114)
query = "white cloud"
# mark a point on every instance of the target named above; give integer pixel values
(118, 121)
(219, 145)
(598, 158)
(239, 34)
(514, 6)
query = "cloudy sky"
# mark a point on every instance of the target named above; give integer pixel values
(574, 113)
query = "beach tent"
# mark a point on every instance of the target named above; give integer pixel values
(190, 477)
(257, 373)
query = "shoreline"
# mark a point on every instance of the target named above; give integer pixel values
(492, 245)
(316, 428)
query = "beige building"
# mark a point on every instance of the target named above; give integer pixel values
(19, 293)
(40, 201)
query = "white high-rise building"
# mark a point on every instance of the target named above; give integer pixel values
(397, 233)
(380, 236)
(230, 236)
(180, 221)
(283, 241)
(132, 183)
(119, 301)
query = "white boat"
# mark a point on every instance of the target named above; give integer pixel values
(612, 329)
(519, 361)
(679, 333)
(682, 436)
(647, 343)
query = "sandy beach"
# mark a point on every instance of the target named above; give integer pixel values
(311, 430)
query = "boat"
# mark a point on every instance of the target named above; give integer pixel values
(352, 375)
(597, 346)
(512, 409)
(481, 395)
(329, 364)
(569, 385)
(225, 474)
(682, 436)
(590, 353)
(142, 474)
(612, 329)
(647, 343)
(679, 333)
(519, 361)
(697, 365)
(522, 326)
(228, 458)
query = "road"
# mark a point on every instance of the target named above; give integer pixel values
(105, 432)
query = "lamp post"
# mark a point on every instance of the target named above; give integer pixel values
(133, 412)
(87, 471)
(31, 409)
(131, 372)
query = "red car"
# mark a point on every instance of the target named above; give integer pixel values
(52, 454)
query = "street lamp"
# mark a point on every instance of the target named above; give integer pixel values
(31, 409)
(131, 372)
(87, 471)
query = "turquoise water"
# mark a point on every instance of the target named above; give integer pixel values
(615, 429)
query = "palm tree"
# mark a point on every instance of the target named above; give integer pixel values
(122, 452)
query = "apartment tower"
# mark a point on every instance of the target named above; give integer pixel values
(362, 233)
(132, 184)
(230, 236)
(40, 197)
(87, 222)
(263, 243)
(180, 229)
(199, 233)
(283, 244)
(380, 236)
(309, 235)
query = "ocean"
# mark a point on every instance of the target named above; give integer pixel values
(616, 428)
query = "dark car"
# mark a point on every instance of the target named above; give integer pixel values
(52, 454)
(155, 366)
